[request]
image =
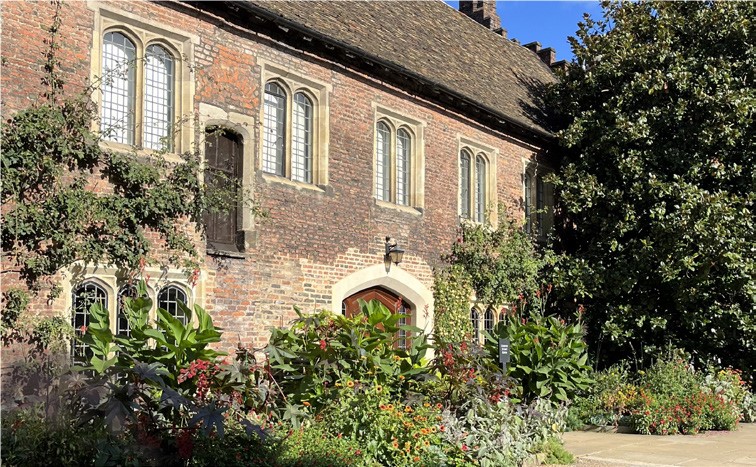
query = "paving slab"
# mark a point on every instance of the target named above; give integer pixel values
(710, 449)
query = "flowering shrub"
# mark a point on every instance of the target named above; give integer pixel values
(391, 431)
(318, 350)
(468, 371)
(674, 398)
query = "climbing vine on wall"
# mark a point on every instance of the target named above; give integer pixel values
(66, 199)
(495, 266)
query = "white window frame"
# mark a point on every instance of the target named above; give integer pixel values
(538, 220)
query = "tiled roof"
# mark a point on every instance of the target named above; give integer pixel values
(432, 40)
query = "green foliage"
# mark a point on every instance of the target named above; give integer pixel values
(170, 343)
(319, 350)
(556, 453)
(502, 433)
(15, 302)
(468, 371)
(451, 304)
(390, 431)
(497, 265)
(66, 199)
(30, 439)
(658, 182)
(548, 356)
(315, 446)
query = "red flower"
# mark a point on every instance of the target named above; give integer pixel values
(465, 448)
(323, 344)
(83, 329)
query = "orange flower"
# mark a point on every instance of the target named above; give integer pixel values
(416, 459)
(350, 384)
(306, 404)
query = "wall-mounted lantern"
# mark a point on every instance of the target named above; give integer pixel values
(394, 254)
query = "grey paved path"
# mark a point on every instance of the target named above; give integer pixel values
(711, 449)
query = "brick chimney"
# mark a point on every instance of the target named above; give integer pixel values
(484, 12)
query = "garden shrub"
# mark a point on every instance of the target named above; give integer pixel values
(548, 356)
(390, 430)
(29, 438)
(320, 349)
(674, 398)
(466, 371)
(501, 433)
(315, 446)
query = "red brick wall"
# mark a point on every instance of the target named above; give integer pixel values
(311, 239)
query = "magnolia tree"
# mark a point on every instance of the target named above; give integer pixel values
(658, 181)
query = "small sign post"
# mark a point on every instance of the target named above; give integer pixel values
(504, 353)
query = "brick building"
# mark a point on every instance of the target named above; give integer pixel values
(350, 122)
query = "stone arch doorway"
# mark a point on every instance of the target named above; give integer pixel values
(397, 281)
(396, 304)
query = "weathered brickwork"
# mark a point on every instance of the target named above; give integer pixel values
(313, 237)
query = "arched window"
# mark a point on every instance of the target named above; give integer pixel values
(274, 134)
(502, 315)
(223, 158)
(118, 88)
(383, 162)
(540, 205)
(464, 183)
(473, 186)
(83, 297)
(122, 321)
(403, 158)
(528, 203)
(475, 324)
(301, 139)
(158, 98)
(480, 189)
(168, 299)
(488, 320)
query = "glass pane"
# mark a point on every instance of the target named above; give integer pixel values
(158, 98)
(123, 329)
(480, 189)
(301, 139)
(118, 88)
(539, 205)
(403, 156)
(274, 131)
(488, 320)
(474, 323)
(528, 204)
(383, 163)
(464, 185)
(168, 299)
(84, 296)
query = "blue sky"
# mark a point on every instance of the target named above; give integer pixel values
(547, 22)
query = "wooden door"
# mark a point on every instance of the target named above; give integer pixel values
(350, 307)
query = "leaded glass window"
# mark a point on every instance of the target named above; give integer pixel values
(464, 184)
(169, 298)
(475, 324)
(158, 98)
(403, 158)
(274, 129)
(488, 320)
(123, 329)
(118, 88)
(480, 189)
(383, 163)
(83, 297)
(301, 139)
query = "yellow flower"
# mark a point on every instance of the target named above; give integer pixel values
(350, 384)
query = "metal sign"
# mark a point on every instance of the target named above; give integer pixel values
(504, 353)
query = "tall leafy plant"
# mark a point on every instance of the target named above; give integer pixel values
(318, 351)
